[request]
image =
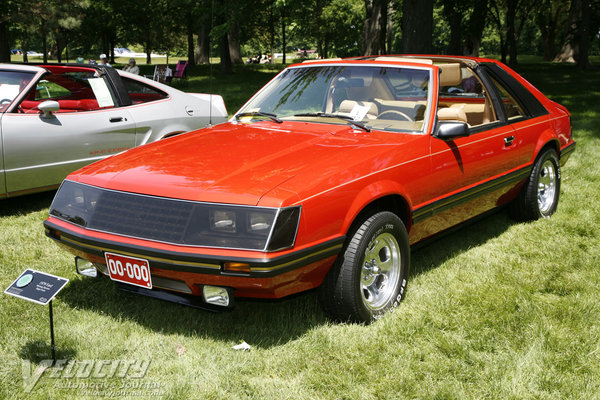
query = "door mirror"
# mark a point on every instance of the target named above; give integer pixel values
(48, 107)
(447, 130)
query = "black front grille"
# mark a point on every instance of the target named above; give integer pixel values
(163, 219)
(141, 216)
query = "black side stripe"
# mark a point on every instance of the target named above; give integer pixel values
(429, 210)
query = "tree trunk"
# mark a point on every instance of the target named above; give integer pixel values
(583, 61)
(390, 28)
(226, 67)
(476, 27)
(4, 43)
(373, 35)
(148, 52)
(511, 34)
(417, 26)
(112, 49)
(569, 51)
(234, 47)
(58, 47)
(283, 42)
(190, 46)
(454, 18)
(24, 49)
(202, 52)
(44, 45)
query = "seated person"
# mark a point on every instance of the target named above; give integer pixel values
(131, 67)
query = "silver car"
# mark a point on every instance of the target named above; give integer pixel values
(56, 118)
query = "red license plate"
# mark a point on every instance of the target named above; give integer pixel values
(131, 270)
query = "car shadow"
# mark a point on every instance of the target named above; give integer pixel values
(476, 232)
(26, 204)
(261, 323)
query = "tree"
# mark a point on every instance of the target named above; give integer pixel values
(475, 27)
(417, 26)
(550, 17)
(576, 44)
(510, 17)
(374, 27)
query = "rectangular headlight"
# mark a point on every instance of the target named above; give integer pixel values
(259, 222)
(222, 220)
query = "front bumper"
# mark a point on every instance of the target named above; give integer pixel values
(269, 276)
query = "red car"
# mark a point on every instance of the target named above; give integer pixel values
(325, 178)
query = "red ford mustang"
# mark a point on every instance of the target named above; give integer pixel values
(325, 178)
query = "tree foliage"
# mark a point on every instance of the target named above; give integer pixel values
(235, 30)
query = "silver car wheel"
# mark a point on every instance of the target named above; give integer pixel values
(380, 271)
(546, 187)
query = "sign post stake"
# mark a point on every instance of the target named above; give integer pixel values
(40, 288)
(52, 334)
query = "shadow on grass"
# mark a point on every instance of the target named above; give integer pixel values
(474, 233)
(25, 204)
(262, 323)
(38, 350)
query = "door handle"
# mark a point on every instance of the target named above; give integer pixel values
(508, 140)
(116, 119)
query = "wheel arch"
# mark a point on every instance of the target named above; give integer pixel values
(547, 139)
(381, 196)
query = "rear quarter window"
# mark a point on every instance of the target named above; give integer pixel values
(530, 105)
(142, 93)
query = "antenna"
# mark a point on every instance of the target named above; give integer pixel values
(212, 3)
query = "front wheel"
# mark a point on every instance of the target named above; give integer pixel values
(539, 197)
(369, 278)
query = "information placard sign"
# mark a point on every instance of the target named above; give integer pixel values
(36, 286)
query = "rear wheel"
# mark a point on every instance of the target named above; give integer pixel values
(539, 197)
(369, 278)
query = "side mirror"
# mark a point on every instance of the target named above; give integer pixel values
(447, 130)
(48, 107)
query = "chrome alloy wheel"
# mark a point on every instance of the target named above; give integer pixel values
(380, 271)
(546, 187)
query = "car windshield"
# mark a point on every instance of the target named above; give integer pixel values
(11, 84)
(383, 98)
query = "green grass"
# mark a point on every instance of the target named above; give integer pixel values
(499, 310)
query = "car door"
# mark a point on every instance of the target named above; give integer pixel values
(474, 172)
(40, 150)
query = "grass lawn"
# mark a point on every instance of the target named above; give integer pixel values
(499, 310)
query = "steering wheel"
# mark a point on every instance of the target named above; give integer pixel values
(5, 101)
(394, 115)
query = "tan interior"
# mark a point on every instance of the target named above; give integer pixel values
(450, 74)
(452, 114)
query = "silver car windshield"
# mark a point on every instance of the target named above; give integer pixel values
(383, 98)
(11, 84)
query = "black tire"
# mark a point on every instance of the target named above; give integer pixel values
(361, 290)
(539, 197)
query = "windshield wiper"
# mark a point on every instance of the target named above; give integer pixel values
(272, 117)
(327, 115)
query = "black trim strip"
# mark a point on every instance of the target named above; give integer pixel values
(203, 264)
(457, 199)
(567, 150)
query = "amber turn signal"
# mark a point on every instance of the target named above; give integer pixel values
(236, 267)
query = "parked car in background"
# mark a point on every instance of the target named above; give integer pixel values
(55, 119)
(325, 178)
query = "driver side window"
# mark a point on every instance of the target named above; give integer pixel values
(463, 97)
(74, 91)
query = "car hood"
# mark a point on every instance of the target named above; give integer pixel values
(233, 162)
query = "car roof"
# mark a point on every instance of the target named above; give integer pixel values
(21, 67)
(425, 59)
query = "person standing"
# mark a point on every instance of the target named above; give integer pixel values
(103, 60)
